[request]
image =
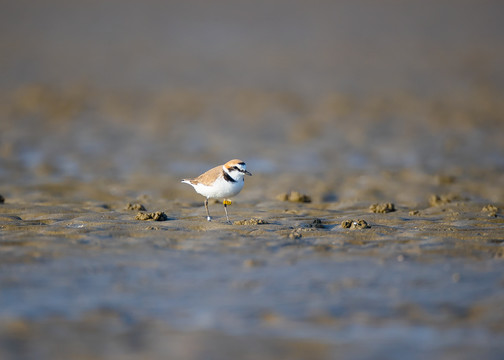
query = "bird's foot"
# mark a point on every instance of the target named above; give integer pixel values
(209, 218)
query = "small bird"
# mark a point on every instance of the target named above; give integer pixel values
(223, 181)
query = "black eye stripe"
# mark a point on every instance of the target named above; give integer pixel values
(237, 169)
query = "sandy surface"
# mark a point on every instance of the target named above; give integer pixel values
(372, 226)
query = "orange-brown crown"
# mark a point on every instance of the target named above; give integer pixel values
(234, 162)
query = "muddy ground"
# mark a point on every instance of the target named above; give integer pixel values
(372, 227)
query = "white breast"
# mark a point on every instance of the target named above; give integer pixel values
(220, 188)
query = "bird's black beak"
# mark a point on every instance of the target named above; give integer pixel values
(247, 173)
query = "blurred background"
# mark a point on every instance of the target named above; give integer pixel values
(110, 89)
(105, 102)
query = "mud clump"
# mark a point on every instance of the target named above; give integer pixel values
(295, 234)
(315, 224)
(438, 200)
(155, 216)
(253, 221)
(354, 224)
(490, 210)
(445, 179)
(251, 263)
(294, 196)
(135, 207)
(382, 208)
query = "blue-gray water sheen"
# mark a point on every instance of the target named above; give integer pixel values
(372, 226)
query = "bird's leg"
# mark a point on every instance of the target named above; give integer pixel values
(208, 217)
(226, 202)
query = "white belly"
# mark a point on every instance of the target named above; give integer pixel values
(220, 189)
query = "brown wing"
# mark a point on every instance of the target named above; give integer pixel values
(208, 177)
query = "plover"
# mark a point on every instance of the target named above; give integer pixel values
(223, 181)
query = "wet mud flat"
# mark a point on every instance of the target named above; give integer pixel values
(82, 276)
(362, 232)
(372, 227)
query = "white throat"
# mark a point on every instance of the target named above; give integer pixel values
(235, 175)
